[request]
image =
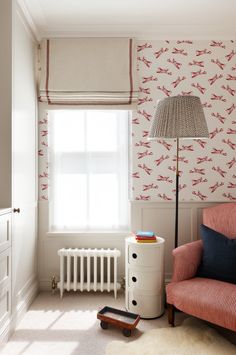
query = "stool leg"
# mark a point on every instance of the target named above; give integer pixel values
(171, 314)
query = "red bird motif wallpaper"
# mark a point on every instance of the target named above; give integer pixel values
(207, 166)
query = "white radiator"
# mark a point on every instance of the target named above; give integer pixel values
(88, 270)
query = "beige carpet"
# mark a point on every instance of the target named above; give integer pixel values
(70, 326)
(193, 337)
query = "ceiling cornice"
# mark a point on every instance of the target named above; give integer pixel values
(158, 32)
(21, 8)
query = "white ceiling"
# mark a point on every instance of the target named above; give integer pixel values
(166, 19)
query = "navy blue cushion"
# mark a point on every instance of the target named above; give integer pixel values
(219, 256)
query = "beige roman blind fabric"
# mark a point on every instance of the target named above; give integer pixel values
(93, 71)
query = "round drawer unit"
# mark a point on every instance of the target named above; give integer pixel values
(144, 269)
(145, 254)
(141, 279)
(147, 305)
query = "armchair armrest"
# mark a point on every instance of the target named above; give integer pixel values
(186, 260)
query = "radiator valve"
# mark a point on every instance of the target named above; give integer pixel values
(123, 283)
(54, 284)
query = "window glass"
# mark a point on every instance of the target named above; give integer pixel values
(88, 170)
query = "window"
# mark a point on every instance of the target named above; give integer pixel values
(88, 170)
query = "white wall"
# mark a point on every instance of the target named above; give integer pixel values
(160, 217)
(207, 168)
(18, 162)
(24, 245)
(5, 101)
(156, 184)
(157, 216)
(50, 243)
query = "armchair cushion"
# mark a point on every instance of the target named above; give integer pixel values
(208, 299)
(187, 258)
(219, 256)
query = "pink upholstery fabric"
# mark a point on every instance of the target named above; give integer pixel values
(186, 261)
(211, 300)
(221, 218)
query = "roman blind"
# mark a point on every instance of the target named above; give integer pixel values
(88, 71)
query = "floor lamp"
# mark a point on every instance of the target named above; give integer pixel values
(178, 117)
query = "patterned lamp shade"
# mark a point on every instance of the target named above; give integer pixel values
(179, 117)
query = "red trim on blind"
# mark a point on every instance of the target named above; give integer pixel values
(130, 70)
(66, 103)
(47, 71)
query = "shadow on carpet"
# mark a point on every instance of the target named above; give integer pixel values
(193, 337)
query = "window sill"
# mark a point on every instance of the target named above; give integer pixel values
(88, 234)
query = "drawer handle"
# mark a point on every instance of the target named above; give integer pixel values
(134, 279)
(134, 303)
(134, 255)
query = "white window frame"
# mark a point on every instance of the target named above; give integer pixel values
(88, 229)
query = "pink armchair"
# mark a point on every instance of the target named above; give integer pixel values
(208, 299)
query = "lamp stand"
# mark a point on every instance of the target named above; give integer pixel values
(177, 194)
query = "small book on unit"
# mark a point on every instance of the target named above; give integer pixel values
(145, 238)
(145, 234)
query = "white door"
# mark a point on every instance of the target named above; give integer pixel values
(23, 164)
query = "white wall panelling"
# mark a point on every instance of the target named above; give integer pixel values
(5, 269)
(160, 217)
(5, 162)
(50, 243)
(5, 229)
(157, 216)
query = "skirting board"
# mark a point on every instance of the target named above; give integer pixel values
(46, 284)
(29, 295)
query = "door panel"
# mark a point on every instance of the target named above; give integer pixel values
(24, 159)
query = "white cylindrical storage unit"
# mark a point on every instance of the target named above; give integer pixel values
(144, 277)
